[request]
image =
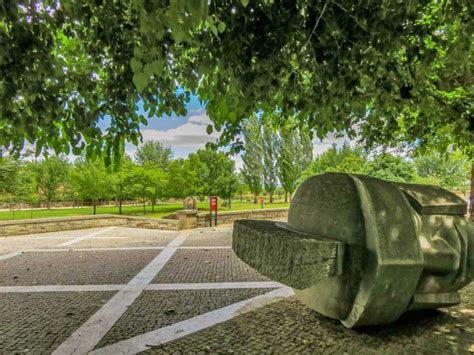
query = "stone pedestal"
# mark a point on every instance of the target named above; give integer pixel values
(187, 219)
(190, 203)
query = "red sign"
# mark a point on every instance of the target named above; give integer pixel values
(214, 203)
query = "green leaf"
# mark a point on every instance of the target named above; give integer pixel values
(244, 2)
(209, 129)
(137, 52)
(221, 27)
(136, 65)
(178, 34)
(197, 10)
(148, 69)
(140, 80)
(157, 67)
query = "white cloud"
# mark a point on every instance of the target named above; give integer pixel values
(191, 135)
(200, 119)
(320, 147)
(239, 163)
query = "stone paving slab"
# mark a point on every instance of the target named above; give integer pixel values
(205, 238)
(157, 309)
(123, 242)
(8, 246)
(290, 327)
(38, 323)
(128, 232)
(66, 234)
(47, 240)
(213, 265)
(41, 321)
(74, 267)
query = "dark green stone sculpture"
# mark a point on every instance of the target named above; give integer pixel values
(364, 250)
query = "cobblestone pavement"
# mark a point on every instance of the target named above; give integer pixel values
(290, 327)
(39, 241)
(210, 237)
(123, 290)
(157, 309)
(40, 322)
(74, 267)
(136, 241)
(213, 265)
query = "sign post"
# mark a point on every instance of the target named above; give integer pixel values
(213, 208)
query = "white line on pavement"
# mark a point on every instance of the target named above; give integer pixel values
(91, 249)
(59, 288)
(178, 330)
(9, 255)
(116, 248)
(150, 287)
(93, 330)
(213, 285)
(80, 239)
(213, 247)
(54, 238)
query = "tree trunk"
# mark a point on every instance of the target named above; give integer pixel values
(291, 196)
(471, 195)
(95, 209)
(120, 206)
(271, 197)
(286, 197)
(255, 198)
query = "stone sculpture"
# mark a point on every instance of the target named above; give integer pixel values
(364, 250)
(190, 203)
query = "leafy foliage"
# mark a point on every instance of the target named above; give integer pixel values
(448, 170)
(153, 154)
(92, 181)
(183, 179)
(294, 155)
(50, 175)
(215, 173)
(17, 184)
(121, 178)
(253, 169)
(338, 159)
(393, 71)
(390, 167)
(270, 154)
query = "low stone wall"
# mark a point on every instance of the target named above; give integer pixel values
(43, 225)
(152, 223)
(187, 219)
(230, 217)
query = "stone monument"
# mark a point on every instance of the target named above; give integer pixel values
(364, 250)
(190, 203)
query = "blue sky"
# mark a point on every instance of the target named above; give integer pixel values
(183, 134)
(188, 134)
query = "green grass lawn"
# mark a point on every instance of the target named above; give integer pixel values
(137, 210)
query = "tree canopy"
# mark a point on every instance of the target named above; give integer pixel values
(385, 71)
(450, 172)
(153, 154)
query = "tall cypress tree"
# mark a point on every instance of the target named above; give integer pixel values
(252, 170)
(295, 153)
(270, 154)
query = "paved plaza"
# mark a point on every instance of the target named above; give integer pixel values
(120, 290)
